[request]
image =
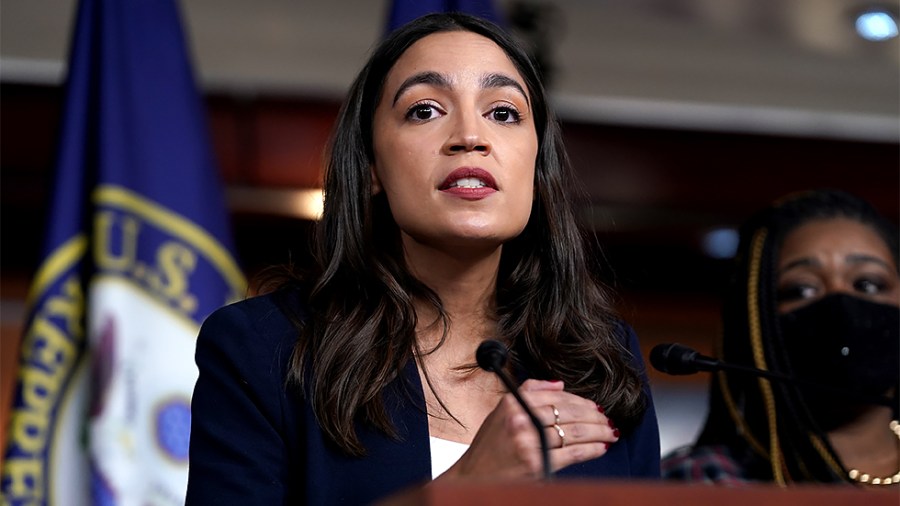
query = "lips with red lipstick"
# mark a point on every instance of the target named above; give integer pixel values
(469, 183)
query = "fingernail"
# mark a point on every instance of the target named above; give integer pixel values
(606, 445)
(555, 381)
(600, 409)
(616, 433)
(612, 424)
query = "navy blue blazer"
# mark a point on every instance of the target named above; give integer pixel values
(255, 440)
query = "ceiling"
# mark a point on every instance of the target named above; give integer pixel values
(767, 66)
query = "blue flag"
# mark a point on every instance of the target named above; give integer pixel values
(137, 255)
(404, 11)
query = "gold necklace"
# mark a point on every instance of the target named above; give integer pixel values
(861, 477)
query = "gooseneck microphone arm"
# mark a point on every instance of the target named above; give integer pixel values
(677, 359)
(491, 356)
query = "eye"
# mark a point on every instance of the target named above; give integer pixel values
(796, 292)
(423, 111)
(504, 114)
(869, 286)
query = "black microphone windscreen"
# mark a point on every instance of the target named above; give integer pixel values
(673, 358)
(491, 355)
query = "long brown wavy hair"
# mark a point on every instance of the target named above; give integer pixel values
(358, 331)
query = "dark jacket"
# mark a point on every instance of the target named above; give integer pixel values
(255, 440)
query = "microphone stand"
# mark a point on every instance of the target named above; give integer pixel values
(688, 361)
(491, 356)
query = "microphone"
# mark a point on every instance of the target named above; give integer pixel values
(491, 356)
(678, 359)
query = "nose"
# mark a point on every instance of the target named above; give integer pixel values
(467, 135)
(836, 283)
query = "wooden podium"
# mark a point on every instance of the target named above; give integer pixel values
(637, 493)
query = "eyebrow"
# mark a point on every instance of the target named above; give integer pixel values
(441, 81)
(502, 81)
(862, 258)
(430, 78)
(853, 258)
(800, 262)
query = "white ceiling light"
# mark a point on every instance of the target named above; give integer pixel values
(876, 25)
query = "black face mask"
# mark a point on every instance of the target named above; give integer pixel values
(845, 343)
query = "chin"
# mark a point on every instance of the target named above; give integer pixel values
(465, 237)
(498, 234)
(482, 240)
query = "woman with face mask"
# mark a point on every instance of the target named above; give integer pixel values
(448, 221)
(815, 296)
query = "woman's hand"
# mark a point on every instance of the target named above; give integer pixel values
(507, 446)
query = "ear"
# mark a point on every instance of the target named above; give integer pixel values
(376, 183)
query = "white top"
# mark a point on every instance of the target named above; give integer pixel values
(444, 453)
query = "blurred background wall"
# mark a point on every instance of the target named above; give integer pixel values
(681, 117)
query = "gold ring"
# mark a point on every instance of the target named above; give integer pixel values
(555, 414)
(562, 435)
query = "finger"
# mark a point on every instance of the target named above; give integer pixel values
(565, 457)
(533, 385)
(518, 422)
(564, 408)
(563, 435)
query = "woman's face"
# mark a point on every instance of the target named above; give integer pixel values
(827, 256)
(455, 143)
